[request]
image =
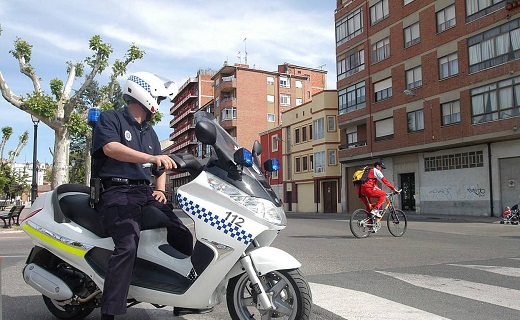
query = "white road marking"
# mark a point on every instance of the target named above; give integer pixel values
(351, 304)
(506, 271)
(471, 290)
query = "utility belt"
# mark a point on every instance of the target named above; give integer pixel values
(114, 181)
(97, 185)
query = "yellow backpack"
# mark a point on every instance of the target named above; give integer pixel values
(360, 176)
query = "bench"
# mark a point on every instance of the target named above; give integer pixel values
(3, 204)
(13, 214)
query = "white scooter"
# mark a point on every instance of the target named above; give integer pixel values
(236, 217)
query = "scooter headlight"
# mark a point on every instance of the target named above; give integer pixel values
(261, 208)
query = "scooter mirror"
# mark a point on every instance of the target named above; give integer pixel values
(257, 148)
(206, 132)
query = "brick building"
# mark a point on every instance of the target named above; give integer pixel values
(432, 88)
(196, 93)
(248, 101)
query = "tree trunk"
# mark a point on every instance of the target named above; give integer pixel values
(60, 163)
(88, 160)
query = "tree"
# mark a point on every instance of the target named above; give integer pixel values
(6, 134)
(60, 110)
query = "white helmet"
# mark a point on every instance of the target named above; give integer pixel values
(148, 89)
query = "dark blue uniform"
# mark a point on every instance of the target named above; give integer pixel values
(121, 202)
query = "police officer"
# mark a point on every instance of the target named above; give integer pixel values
(122, 142)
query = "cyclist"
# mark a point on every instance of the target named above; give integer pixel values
(371, 190)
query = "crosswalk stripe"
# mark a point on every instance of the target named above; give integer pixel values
(505, 271)
(362, 305)
(471, 290)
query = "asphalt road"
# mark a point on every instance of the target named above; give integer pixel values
(440, 269)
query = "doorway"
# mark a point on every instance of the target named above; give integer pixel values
(330, 196)
(408, 193)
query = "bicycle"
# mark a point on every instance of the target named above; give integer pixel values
(363, 224)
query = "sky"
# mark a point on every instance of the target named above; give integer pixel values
(179, 38)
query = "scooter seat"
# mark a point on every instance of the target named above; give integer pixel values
(76, 207)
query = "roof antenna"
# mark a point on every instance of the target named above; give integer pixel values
(245, 50)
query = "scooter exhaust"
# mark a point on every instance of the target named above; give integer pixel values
(46, 283)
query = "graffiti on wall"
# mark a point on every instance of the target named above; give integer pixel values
(453, 193)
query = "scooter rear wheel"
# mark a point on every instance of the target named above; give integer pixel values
(68, 312)
(290, 290)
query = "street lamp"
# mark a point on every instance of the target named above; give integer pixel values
(34, 184)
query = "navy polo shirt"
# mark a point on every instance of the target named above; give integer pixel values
(120, 126)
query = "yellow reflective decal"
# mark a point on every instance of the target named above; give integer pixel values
(81, 252)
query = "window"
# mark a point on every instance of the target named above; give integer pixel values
(446, 18)
(274, 175)
(332, 157)
(479, 8)
(349, 27)
(284, 82)
(453, 161)
(450, 112)
(270, 80)
(351, 63)
(298, 84)
(378, 12)
(299, 101)
(319, 129)
(270, 117)
(384, 129)
(304, 134)
(407, 1)
(319, 162)
(493, 47)
(297, 135)
(412, 35)
(414, 78)
(228, 114)
(381, 50)
(352, 98)
(311, 162)
(448, 65)
(352, 139)
(297, 165)
(285, 99)
(383, 89)
(499, 100)
(274, 142)
(270, 98)
(415, 121)
(310, 131)
(331, 123)
(305, 163)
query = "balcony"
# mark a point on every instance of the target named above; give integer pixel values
(228, 84)
(353, 145)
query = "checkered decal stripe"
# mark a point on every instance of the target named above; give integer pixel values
(140, 82)
(214, 220)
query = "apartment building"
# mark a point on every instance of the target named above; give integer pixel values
(196, 93)
(431, 88)
(248, 101)
(307, 145)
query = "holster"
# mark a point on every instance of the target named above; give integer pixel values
(95, 190)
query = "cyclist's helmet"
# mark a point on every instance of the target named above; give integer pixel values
(379, 163)
(148, 89)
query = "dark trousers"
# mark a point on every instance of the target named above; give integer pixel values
(120, 215)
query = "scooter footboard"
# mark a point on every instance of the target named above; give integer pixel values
(267, 259)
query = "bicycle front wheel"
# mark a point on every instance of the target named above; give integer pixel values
(397, 222)
(361, 223)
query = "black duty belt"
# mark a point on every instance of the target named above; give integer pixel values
(114, 181)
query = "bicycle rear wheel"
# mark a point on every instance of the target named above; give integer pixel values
(396, 222)
(361, 223)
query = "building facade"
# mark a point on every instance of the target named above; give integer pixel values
(307, 144)
(248, 101)
(432, 88)
(196, 93)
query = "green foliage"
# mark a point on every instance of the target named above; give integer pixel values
(13, 183)
(56, 88)
(77, 124)
(41, 103)
(22, 49)
(102, 50)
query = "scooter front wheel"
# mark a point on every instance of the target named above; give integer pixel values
(290, 292)
(69, 312)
